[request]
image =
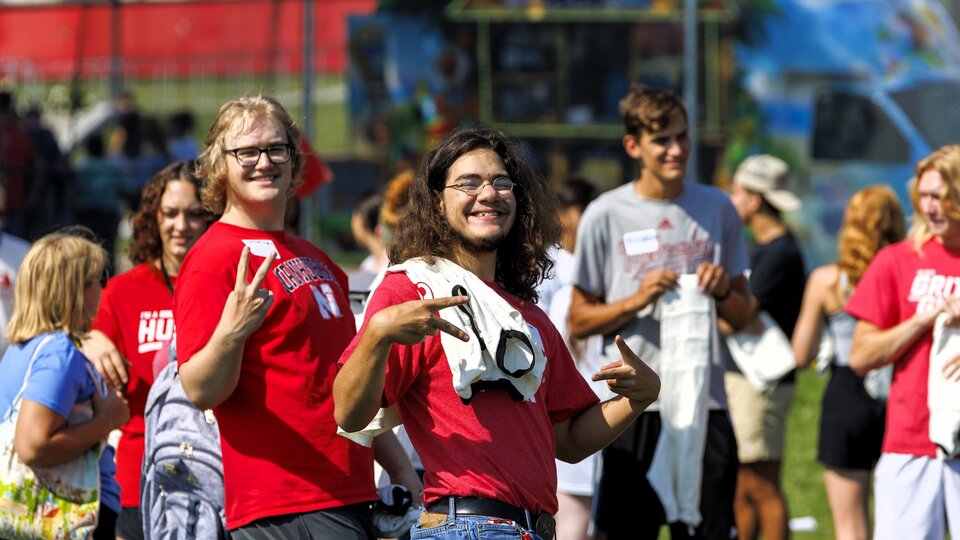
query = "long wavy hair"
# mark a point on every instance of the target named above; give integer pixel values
(873, 219)
(146, 245)
(49, 294)
(238, 114)
(522, 259)
(946, 161)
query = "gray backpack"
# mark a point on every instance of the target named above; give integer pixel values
(181, 486)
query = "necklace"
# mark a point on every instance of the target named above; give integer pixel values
(166, 278)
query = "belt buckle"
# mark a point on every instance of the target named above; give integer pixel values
(545, 527)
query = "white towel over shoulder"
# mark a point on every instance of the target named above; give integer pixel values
(489, 315)
(492, 317)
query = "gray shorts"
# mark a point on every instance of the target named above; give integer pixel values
(916, 497)
(353, 522)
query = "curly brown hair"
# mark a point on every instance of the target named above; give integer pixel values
(146, 244)
(873, 219)
(238, 114)
(522, 259)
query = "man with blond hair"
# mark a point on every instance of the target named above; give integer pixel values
(262, 317)
(897, 302)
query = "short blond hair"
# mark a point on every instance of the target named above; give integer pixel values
(239, 114)
(49, 295)
(946, 161)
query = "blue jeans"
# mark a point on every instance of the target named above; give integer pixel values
(464, 527)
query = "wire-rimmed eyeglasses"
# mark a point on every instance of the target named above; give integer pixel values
(501, 185)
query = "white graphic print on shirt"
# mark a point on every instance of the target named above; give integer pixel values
(929, 289)
(681, 257)
(156, 327)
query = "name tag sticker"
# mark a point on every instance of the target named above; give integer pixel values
(262, 248)
(640, 242)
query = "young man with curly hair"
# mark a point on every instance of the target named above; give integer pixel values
(483, 382)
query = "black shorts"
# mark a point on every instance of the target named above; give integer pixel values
(105, 522)
(353, 522)
(628, 508)
(851, 423)
(129, 524)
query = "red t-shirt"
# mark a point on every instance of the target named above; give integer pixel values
(897, 284)
(136, 313)
(494, 447)
(281, 451)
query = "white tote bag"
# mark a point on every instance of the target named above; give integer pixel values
(762, 352)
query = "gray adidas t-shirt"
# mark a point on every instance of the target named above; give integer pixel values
(622, 236)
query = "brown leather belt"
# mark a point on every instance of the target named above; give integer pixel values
(542, 524)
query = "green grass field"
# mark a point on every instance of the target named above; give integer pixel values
(802, 474)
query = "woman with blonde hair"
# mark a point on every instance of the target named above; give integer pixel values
(852, 422)
(58, 289)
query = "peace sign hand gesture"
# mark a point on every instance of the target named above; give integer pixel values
(411, 322)
(247, 304)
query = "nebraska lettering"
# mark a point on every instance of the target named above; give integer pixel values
(295, 273)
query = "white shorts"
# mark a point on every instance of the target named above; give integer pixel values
(916, 497)
(578, 478)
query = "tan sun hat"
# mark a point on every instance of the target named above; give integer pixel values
(768, 176)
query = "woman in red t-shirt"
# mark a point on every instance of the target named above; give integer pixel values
(135, 318)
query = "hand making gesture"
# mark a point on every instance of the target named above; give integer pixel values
(247, 304)
(411, 322)
(630, 377)
(358, 389)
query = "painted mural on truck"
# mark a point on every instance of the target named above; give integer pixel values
(850, 93)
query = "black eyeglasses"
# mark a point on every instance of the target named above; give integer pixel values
(249, 156)
(501, 185)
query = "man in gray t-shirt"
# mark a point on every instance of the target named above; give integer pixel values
(634, 242)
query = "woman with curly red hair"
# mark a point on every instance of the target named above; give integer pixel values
(851, 424)
(135, 318)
